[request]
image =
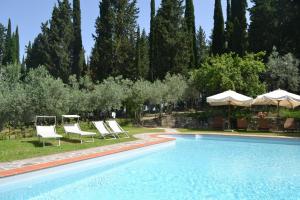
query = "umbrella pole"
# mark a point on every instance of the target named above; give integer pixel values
(229, 116)
(278, 115)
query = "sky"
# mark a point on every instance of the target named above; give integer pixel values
(29, 14)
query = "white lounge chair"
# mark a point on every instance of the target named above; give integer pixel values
(47, 132)
(116, 128)
(74, 128)
(103, 130)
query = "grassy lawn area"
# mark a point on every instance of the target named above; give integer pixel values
(16, 149)
(262, 133)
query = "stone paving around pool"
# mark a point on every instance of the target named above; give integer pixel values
(37, 163)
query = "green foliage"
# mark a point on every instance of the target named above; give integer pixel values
(114, 50)
(218, 35)
(202, 47)
(228, 71)
(38, 53)
(10, 47)
(176, 86)
(110, 94)
(152, 40)
(78, 51)
(191, 32)
(237, 27)
(275, 23)
(285, 113)
(102, 52)
(172, 53)
(141, 56)
(61, 36)
(283, 72)
(2, 41)
(46, 95)
(262, 29)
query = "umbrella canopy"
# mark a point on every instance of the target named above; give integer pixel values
(229, 98)
(278, 98)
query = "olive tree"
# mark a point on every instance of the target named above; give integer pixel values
(46, 95)
(283, 72)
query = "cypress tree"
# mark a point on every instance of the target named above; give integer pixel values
(124, 37)
(14, 47)
(38, 52)
(61, 40)
(239, 31)
(218, 37)
(228, 10)
(142, 55)
(190, 22)
(2, 42)
(17, 45)
(144, 52)
(8, 54)
(203, 50)
(152, 40)
(101, 61)
(136, 72)
(78, 51)
(262, 29)
(172, 52)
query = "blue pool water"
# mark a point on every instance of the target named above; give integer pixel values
(192, 168)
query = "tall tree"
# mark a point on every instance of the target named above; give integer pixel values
(171, 47)
(61, 40)
(124, 37)
(78, 51)
(38, 53)
(2, 41)
(202, 47)
(17, 40)
(101, 61)
(229, 27)
(228, 10)
(218, 35)
(142, 55)
(115, 39)
(262, 26)
(238, 41)
(190, 22)
(275, 23)
(8, 54)
(137, 54)
(152, 40)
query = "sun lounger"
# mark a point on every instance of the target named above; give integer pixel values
(75, 129)
(47, 132)
(103, 130)
(116, 128)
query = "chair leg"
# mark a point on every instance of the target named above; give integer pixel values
(59, 142)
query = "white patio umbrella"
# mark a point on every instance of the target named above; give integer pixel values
(229, 98)
(278, 98)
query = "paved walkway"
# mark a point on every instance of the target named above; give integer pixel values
(27, 165)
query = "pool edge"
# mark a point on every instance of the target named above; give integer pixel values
(159, 138)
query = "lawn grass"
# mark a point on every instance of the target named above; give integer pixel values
(241, 132)
(16, 149)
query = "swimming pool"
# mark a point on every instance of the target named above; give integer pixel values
(193, 167)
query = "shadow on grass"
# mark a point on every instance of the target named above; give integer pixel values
(37, 143)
